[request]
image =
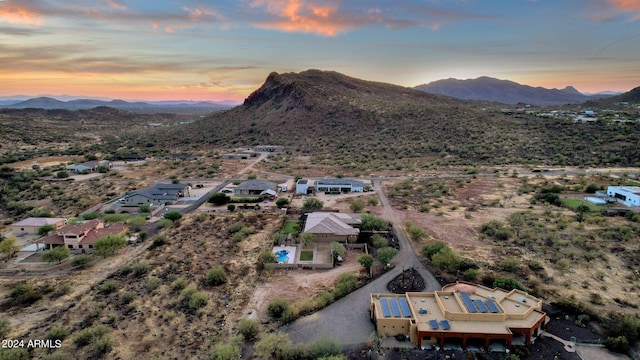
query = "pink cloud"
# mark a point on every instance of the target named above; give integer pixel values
(16, 13)
(117, 5)
(306, 16)
(628, 6)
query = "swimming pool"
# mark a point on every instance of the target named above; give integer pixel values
(285, 254)
(282, 256)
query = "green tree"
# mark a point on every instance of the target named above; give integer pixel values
(231, 207)
(219, 198)
(366, 261)
(62, 174)
(581, 210)
(508, 284)
(278, 307)
(267, 257)
(446, 259)
(144, 208)
(323, 347)
(338, 249)
(372, 222)
(57, 254)
(312, 204)
(431, 249)
(386, 254)
(173, 216)
(416, 233)
(282, 202)
(307, 238)
(9, 246)
(44, 230)
(379, 241)
(81, 260)
(108, 245)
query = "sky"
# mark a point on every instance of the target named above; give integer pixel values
(223, 50)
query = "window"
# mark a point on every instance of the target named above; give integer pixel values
(70, 246)
(90, 246)
(79, 246)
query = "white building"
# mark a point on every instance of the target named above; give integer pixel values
(628, 195)
(339, 185)
(302, 186)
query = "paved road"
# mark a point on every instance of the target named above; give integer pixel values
(348, 319)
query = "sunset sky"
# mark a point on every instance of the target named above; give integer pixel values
(223, 50)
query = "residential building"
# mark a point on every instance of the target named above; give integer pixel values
(255, 188)
(330, 226)
(33, 224)
(460, 315)
(627, 195)
(339, 185)
(302, 186)
(158, 194)
(81, 238)
(88, 167)
(268, 148)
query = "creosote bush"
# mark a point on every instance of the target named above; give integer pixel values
(216, 276)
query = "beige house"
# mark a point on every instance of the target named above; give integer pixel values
(33, 224)
(81, 238)
(460, 315)
(330, 226)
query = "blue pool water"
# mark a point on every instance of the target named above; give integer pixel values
(282, 256)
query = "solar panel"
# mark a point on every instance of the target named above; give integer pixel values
(468, 303)
(404, 306)
(385, 308)
(445, 324)
(433, 324)
(492, 306)
(480, 306)
(395, 308)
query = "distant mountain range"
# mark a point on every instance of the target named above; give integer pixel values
(45, 102)
(506, 92)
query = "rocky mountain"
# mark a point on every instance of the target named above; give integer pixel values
(505, 91)
(630, 97)
(362, 125)
(49, 103)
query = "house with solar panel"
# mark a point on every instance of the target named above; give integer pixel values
(461, 315)
(336, 186)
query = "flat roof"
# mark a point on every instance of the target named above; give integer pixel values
(38, 221)
(630, 189)
(476, 310)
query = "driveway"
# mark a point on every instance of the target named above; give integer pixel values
(348, 319)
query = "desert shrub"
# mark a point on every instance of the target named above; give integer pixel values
(81, 260)
(57, 332)
(338, 248)
(108, 286)
(14, 354)
(507, 283)
(127, 297)
(618, 344)
(346, 283)
(216, 276)
(158, 241)
(267, 257)
(277, 307)
(510, 265)
(230, 351)
(108, 245)
(471, 274)
(249, 329)
(219, 198)
(91, 215)
(311, 204)
(173, 216)
(325, 346)
(102, 346)
(446, 259)
(165, 223)
(431, 249)
(275, 345)
(179, 284)
(57, 254)
(236, 227)
(153, 283)
(282, 202)
(115, 218)
(136, 269)
(5, 327)
(24, 294)
(416, 233)
(197, 300)
(548, 198)
(231, 207)
(89, 335)
(356, 205)
(536, 265)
